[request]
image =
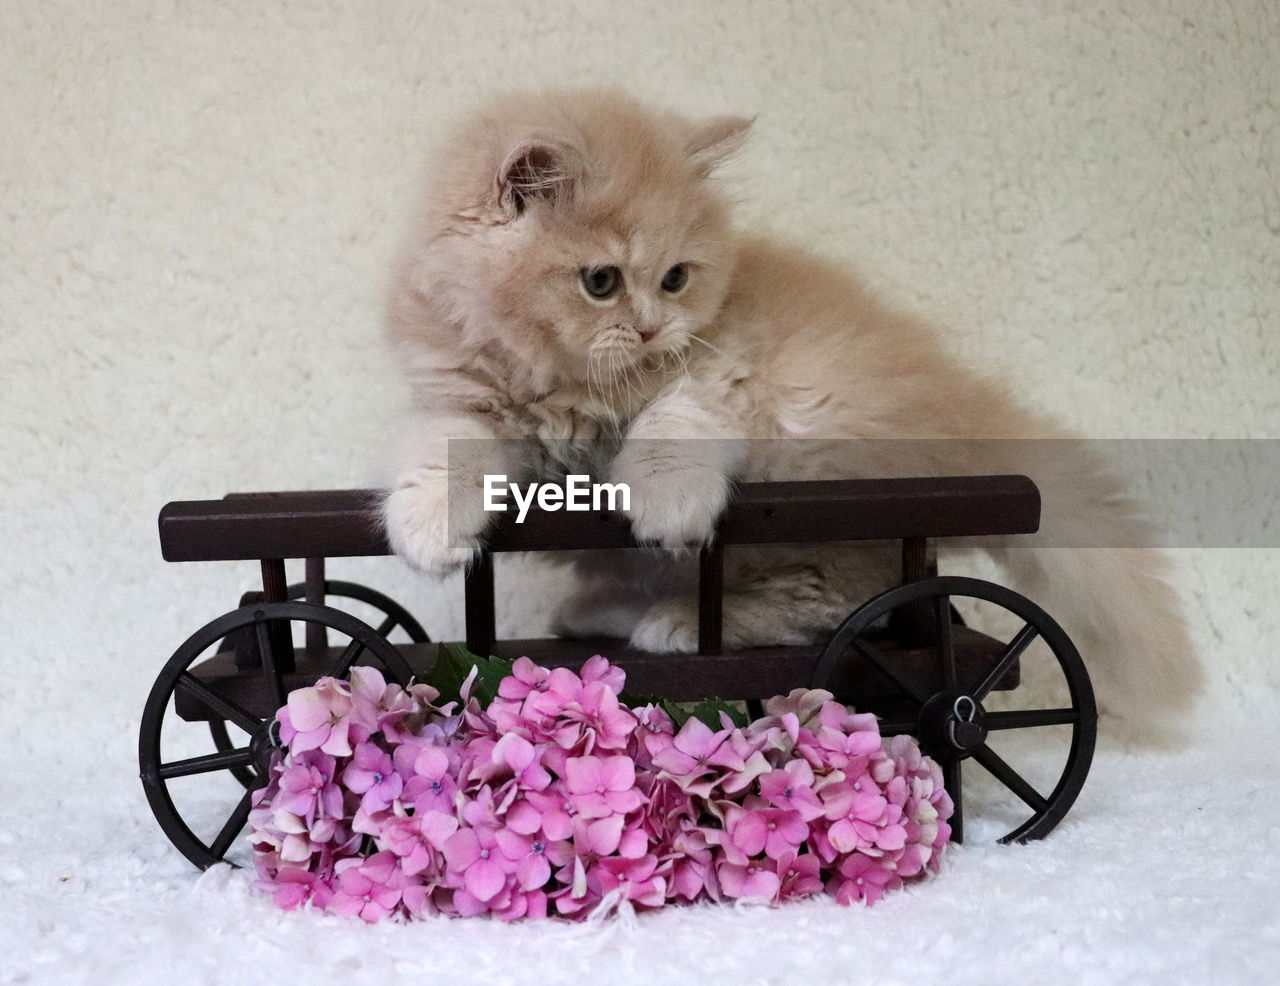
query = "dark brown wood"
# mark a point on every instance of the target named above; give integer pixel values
(478, 592)
(275, 589)
(275, 584)
(317, 636)
(872, 509)
(915, 559)
(710, 599)
(758, 673)
(346, 523)
(913, 622)
(273, 525)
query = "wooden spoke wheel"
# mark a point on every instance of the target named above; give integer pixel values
(385, 615)
(197, 796)
(392, 615)
(945, 705)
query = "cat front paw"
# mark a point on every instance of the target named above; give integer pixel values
(422, 532)
(675, 506)
(670, 627)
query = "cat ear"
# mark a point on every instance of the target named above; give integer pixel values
(537, 170)
(712, 142)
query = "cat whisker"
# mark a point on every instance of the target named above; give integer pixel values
(714, 349)
(591, 391)
(608, 386)
(682, 355)
(606, 399)
(632, 402)
(613, 413)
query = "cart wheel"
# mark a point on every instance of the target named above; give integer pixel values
(393, 614)
(171, 746)
(950, 720)
(389, 613)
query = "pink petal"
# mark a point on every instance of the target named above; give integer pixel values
(604, 835)
(868, 807)
(618, 773)
(357, 779)
(368, 682)
(524, 818)
(633, 844)
(461, 849)
(761, 884)
(290, 895)
(892, 838)
(467, 905)
(592, 805)
(484, 878)
(623, 802)
(309, 739)
(331, 800)
(437, 827)
(838, 802)
(345, 905)
(380, 867)
(689, 880)
(792, 827)
(582, 774)
(860, 744)
(336, 744)
(307, 710)
(431, 762)
(387, 898)
(750, 833)
(352, 881)
(515, 751)
(843, 836)
(533, 872)
(513, 845)
(526, 671)
(674, 762)
(296, 849)
(557, 825)
(696, 738)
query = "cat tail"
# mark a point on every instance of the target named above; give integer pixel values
(1095, 568)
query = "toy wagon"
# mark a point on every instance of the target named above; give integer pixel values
(208, 729)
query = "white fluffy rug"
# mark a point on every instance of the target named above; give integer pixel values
(1165, 872)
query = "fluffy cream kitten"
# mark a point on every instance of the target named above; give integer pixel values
(576, 277)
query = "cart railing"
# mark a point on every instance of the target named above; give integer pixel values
(272, 527)
(345, 523)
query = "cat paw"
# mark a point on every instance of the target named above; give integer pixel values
(421, 531)
(668, 628)
(674, 507)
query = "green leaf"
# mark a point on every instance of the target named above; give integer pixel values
(454, 663)
(453, 666)
(679, 715)
(707, 711)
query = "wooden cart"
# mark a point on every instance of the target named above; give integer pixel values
(905, 654)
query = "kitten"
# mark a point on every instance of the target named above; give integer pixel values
(576, 277)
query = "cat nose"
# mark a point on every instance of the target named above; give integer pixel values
(645, 334)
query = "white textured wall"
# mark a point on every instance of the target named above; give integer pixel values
(198, 203)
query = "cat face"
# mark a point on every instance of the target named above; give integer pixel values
(591, 247)
(610, 281)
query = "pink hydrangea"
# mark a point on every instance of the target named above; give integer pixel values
(559, 799)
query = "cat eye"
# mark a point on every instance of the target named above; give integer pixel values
(676, 278)
(601, 282)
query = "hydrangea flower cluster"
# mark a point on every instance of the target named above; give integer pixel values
(558, 799)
